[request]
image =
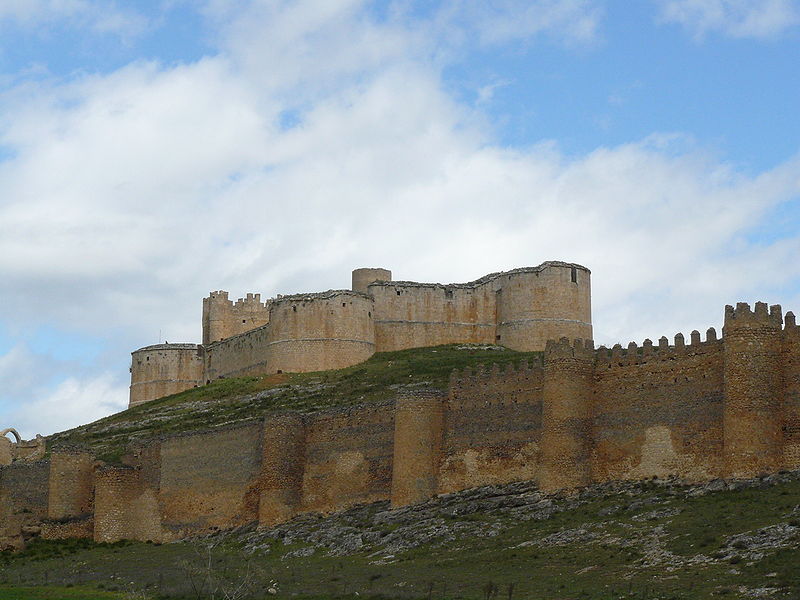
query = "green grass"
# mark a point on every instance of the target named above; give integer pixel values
(228, 401)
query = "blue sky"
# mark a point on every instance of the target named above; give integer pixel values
(153, 151)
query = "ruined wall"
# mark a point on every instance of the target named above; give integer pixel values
(164, 369)
(223, 318)
(492, 428)
(658, 411)
(23, 501)
(208, 481)
(348, 457)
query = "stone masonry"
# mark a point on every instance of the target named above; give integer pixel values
(520, 309)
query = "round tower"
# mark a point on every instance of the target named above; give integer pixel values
(566, 414)
(164, 369)
(363, 277)
(544, 303)
(316, 332)
(753, 438)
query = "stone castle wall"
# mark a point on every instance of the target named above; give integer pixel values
(520, 309)
(23, 501)
(577, 416)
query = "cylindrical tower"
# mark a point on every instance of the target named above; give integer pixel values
(566, 415)
(164, 369)
(282, 467)
(543, 303)
(316, 332)
(363, 277)
(71, 483)
(418, 433)
(753, 439)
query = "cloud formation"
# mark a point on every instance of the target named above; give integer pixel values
(320, 139)
(736, 18)
(98, 17)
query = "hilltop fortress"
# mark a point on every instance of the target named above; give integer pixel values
(519, 309)
(695, 408)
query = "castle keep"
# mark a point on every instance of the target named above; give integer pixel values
(519, 309)
(698, 408)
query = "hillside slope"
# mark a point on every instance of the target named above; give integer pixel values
(652, 539)
(227, 401)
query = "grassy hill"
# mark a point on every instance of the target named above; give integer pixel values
(227, 401)
(652, 539)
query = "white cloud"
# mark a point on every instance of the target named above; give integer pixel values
(72, 403)
(133, 194)
(570, 21)
(737, 18)
(99, 16)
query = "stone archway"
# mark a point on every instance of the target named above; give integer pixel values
(6, 448)
(13, 432)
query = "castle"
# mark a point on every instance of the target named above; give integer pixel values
(697, 409)
(519, 309)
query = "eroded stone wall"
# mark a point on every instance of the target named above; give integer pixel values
(23, 501)
(209, 480)
(572, 417)
(658, 411)
(492, 428)
(348, 457)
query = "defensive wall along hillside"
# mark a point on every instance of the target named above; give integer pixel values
(696, 408)
(520, 309)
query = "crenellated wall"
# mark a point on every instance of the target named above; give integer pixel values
(493, 423)
(658, 410)
(696, 409)
(223, 318)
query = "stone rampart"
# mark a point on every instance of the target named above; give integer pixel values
(348, 457)
(657, 410)
(492, 430)
(573, 417)
(208, 480)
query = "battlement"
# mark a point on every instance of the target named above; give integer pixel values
(742, 317)
(495, 372)
(252, 300)
(564, 348)
(218, 295)
(635, 354)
